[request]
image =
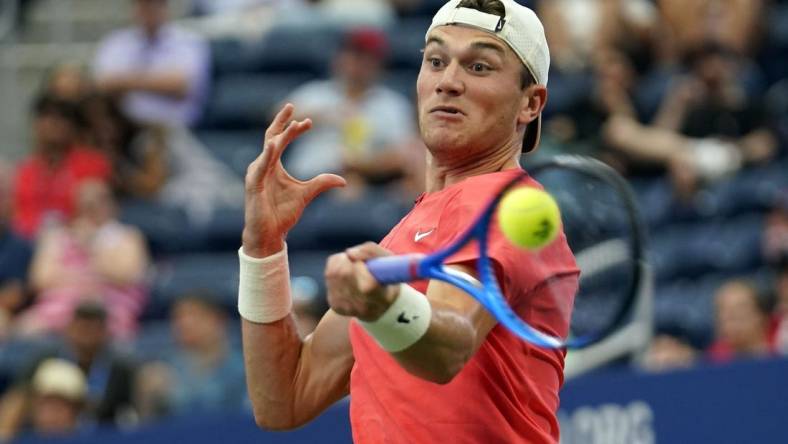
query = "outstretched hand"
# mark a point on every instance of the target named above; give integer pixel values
(274, 200)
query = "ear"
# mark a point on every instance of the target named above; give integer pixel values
(533, 102)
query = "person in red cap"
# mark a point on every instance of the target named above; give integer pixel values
(361, 128)
(447, 372)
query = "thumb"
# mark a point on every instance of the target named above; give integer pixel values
(322, 183)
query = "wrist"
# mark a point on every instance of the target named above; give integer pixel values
(264, 287)
(383, 302)
(404, 323)
(261, 246)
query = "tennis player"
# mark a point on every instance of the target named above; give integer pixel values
(423, 363)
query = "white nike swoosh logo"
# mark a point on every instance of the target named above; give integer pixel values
(420, 236)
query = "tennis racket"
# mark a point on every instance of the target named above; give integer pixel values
(603, 228)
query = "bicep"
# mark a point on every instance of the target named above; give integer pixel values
(323, 374)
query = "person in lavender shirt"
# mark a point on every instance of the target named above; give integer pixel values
(158, 71)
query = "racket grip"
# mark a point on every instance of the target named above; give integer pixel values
(395, 269)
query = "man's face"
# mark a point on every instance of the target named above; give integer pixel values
(87, 335)
(54, 415)
(739, 321)
(357, 68)
(195, 324)
(150, 15)
(52, 129)
(469, 92)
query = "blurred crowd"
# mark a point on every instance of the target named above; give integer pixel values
(684, 93)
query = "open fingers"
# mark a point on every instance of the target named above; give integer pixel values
(293, 131)
(280, 122)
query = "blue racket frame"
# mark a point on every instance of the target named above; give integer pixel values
(411, 267)
(407, 268)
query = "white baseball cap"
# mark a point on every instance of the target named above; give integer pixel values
(58, 377)
(520, 29)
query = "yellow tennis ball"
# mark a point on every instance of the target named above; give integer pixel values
(529, 217)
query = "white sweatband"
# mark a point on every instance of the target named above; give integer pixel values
(404, 323)
(264, 287)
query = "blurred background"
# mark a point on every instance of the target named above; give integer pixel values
(127, 127)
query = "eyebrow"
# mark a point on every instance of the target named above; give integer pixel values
(475, 45)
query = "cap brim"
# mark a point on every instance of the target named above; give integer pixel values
(532, 134)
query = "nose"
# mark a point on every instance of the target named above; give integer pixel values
(451, 82)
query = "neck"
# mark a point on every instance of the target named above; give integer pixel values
(442, 173)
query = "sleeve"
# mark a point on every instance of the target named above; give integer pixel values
(109, 58)
(194, 62)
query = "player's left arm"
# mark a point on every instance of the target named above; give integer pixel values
(458, 324)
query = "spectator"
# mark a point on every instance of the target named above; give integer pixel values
(59, 391)
(46, 182)
(687, 24)
(164, 165)
(69, 82)
(95, 257)
(160, 72)
(669, 352)
(781, 312)
(742, 323)
(203, 373)
(139, 169)
(109, 374)
(15, 253)
(578, 29)
(361, 128)
(707, 126)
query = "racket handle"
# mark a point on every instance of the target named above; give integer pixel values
(395, 269)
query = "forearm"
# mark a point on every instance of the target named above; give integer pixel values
(271, 356)
(175, 85)
(443, 351)
(670, 115)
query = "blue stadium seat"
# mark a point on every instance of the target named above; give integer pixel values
(236, 149)
(334, 224)
(213, 272)
(424, 9)
(773, 57)
(306, 49)
(690, 250)
(230, 55)
(246, 101)
(688, 305)
(753, 189)
(166, 229)
(217, 273)
(403, 81)
(406, 40)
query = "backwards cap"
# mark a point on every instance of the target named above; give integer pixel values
(520, 29)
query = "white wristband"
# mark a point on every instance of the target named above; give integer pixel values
(404, 323)
(264, 287)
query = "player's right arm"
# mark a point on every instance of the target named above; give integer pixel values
(290, 379)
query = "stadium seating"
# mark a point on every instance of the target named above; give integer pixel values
(244, 101)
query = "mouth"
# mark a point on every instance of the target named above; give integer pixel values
(447, 110)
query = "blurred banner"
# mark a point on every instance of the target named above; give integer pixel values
(740, 403)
